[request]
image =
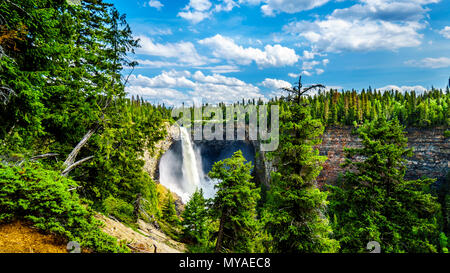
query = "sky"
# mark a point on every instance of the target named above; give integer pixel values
(225, 50)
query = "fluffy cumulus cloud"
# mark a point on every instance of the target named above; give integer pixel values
(441, 62)
(174, 87)
(275, 84)
(403, 89)
(155, 4)
(367, 25)
(225, 48)
(273, 7)
(445, 32)
(196, 11)
(184, 52)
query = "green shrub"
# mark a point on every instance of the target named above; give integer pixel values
(49, 200)
(447, 134)
(443, 240)
(120, 210)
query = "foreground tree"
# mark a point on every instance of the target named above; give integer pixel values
(168, 210)
(235, 204)
(294, 213)
(195, 219)
(373, 202)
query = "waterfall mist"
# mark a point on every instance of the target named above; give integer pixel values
(181, 169)
(184, 166)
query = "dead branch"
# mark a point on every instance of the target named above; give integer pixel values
(76, 164)
(44, 156)
(6, 93)
(72, 156)
(71, 189)
(298, 91)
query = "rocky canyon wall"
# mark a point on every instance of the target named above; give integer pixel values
(431, 152)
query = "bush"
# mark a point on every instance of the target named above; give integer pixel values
(447, 134)
(119, 209)
(49, 200)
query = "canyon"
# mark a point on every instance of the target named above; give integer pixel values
(431, 156)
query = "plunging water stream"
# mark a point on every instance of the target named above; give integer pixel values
(183, 167)
(190, 166)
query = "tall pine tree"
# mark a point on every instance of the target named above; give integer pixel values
(235, 204)
(373, 202)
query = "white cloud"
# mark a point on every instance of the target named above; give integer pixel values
(162, 95)
(319, 71)
(431, 62)
(226, 48)
(403, 89)
(445, 32)
(273, 7)
(385, 10)
(336, 35)
(307, 55)
(164, 80)
(306, 73)
(155, 4)
(227, 5)
(309, 65)
(221, 68)
(200, 5)
(367, 25)
(174, 87)
(194, 16)
(275, 83)
(196, 11)
(184, 52)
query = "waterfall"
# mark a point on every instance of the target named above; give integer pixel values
(181, 170)
(190, 166)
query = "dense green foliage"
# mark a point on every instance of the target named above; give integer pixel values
(60, 79)
(168, 211)
(48, 200)
(374, 203)
(431, 108)
(294, 213)
(235, 204)
(195, 219)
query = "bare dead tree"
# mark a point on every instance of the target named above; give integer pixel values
(298, 91)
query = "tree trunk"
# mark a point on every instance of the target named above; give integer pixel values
(220, 234)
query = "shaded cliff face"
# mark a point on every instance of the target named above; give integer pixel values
(431, 152)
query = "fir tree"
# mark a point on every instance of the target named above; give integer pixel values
(168, 210)
(195, 219)
(373, 202)
(294, 213)
(235, 204)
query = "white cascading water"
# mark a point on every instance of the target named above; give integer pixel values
(191, 170)
(190, 167)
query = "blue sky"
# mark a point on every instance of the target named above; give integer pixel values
(226, 50)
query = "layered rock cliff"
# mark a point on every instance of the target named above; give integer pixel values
(431, 152)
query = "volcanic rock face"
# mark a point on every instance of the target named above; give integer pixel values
(431, 152)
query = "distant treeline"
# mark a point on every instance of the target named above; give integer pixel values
(411, 109)
(333, 107)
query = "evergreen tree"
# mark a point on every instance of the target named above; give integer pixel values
(373, 202)
(235, 204)
(294, 213)
(195, 219)
(168, 210)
